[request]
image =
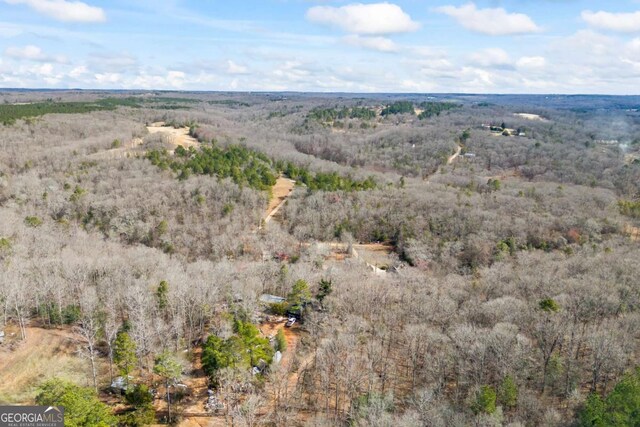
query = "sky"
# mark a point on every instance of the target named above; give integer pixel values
(402, 46)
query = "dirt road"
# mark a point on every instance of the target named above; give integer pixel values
(282, 190)
(280, 388)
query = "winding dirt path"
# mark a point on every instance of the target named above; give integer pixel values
(450, 160)
(454, 155)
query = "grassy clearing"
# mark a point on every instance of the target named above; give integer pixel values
(45, 354)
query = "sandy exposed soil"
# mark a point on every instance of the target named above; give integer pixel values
(529, 116)
(376, 254)
(176, 137)
(45, 353)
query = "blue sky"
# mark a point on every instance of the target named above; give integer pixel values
(509, 46)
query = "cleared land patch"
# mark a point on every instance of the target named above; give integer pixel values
(530, 116)
(176, 136)
(46, 353)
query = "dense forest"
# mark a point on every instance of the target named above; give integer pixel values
(438, 260)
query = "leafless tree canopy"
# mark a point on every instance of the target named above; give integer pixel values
(512, 265)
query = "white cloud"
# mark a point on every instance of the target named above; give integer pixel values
(292, 71)
(531, 63)
(491, 21)
(586, 45)
(426, 52)
(476, 79)
(175, 78)
(632, 49)
(492, 57)
(358, 18)
(43, 70)
(623, 22)
(31, 53)
(381, 44)
(233, 68)
(78, 71)
(63, 10)
(108, 78)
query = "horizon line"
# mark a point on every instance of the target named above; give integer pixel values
(204, 91)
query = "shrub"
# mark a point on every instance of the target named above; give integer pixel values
(81, 405)
(279, 308)
(485, 401)
(33, 221)
(548, 305)
(508, 392)
(281, 341)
